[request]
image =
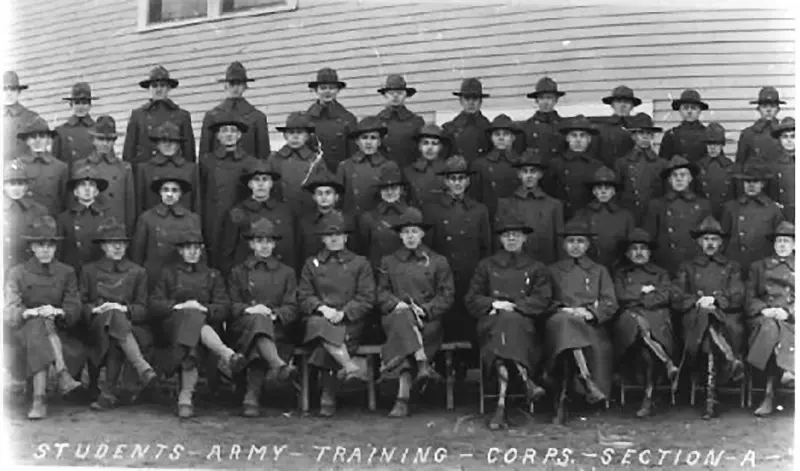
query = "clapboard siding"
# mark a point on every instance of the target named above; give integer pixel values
(724, 51)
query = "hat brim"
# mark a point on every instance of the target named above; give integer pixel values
(189, 242)
(523, 229)
(54, 238)
(594, 183)
(16, 87)
(747, 177)
(316, 84)
(777, 133)
(112, 135)
(422, 225)
(471, 95)
(535, 95)
(626, 244)
(236, 79)
(446, 172)
(102, 184)
(442, 137)
(241, 126)
(610, 99)
(309, 129)
(645, 128)
(245, 179)
(171, 139)
(146, 83)
(695, 234)
(767, 102)
(541, 165)
(692, 168)
(410, 91)
(325, 232)
(382, 185)
(311, 187)
(17, 179)
(100, 240)
(156, 185)
(676, 104)
(588, 234)
(23, 135)
(248, 236)
(774, 236)
(354, 134)
(515, 130)
(566, 130)
(91, 98)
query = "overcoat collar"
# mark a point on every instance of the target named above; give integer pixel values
(176, 210)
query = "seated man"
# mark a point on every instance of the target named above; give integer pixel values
(508, 293)
(770, 311)
(643, 328)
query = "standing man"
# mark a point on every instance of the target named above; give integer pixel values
(756, 141)
(255, 140)
(615, 141)
(402, 123)
(467, 131)
(688, 138)
(541, 129)
(72, 140)
(332, 122)
(144, 120)
(16, 116)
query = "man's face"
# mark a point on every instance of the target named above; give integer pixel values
(334, 242)
(262, 246)
(228, 135)
(159, 90)
(604, 193)
(430, 147)
(643, 139)
(167, 148)
(470, 104)
(576, 246)
(680, 179)
(546, 102)
(710, 244)
(261, 186)
(11, 96)
(81, 107)
(86, 191)
(690, 112)
(369, 142)
(103, 145)
(296, 138)
(769, 110)
(503, 139)
(578, 140)
(512, 241)
(714, 149)
(787, 140)
(15, 189)
(391, 194)
(39, 142)
(622, 107)
(395, 97)
(784, 246)
(327, 92)
(753, 187)
(638, 253)
(235, 89)
(114, 250)
(44, 251)
(191, 253)
(529, 176)
(325, 197)
(411, 236)
(456, 183)
(170, 193)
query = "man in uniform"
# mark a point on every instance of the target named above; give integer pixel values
(16, 116)
(19, 211)
(782, 187)
(541, 131)
(717, 170)
(48, 175)
(569, 172)
(756, 141)
(468, 130)
(78, 225)
(402, 124)
(496, 176)
(615, 141)
(72, 140)
(640, 169)
(294, 161)
(332, 122)
(688, 138)
(424, 184)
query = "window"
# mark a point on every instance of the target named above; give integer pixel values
(157, 14)
(230, 6)
(161, 11)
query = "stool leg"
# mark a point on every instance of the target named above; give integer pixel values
(692, 393)
(304, 384)
(451, 378)
(622, 392)
(371, 399)
(481, 385)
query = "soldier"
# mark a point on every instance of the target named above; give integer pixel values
(717, 170)
(336, 293)
(541, 131)
(16, 116)
(42, 310)
(120, 199)
(640, 169)
(332, 122)
(78, 225)
(362, 170)
(138, 147)
(72, 140)
(508, 294)
(415, 289)
(614, 141)
(114, 295)
(294, 161)
(688, 138)
(219, 177)
(782, 188)
(255, 134)
(264, 314)
(424, 184)
(402, 124)
(468, 130)
(48, 175)
(756, 141)
(160, 226)
(709, 299)
(571, 170)
(643, 329)
(583, 301)
(750, 219)
(260, 178)
(671, 217)
(496, 176)
(19, 211)
(189, 303)
(770, 314)
(606, 218)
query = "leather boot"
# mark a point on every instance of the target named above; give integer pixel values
(766, 406)
(498, 420)
(400, 408)
(327, 400)
(285, 372)
(38, 409)
(593, 393)
(710, 410)
(425, 372)
(67, 384)
(533, 391)
(188, 383)
(787, 379)
(250, 406)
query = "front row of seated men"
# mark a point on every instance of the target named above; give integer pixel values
(565, 326)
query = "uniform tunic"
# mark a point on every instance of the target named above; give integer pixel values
(120, 196)
(72, 140)
(78, 226)
(756, 142)
(293, 166)
(30, 285)
(639, 172)
(48, 184)
(542, 213)
(687, 139)
(15, 118)
(613, 141)
(781, 188)
(541, 131)
(332, 122)
(640, 312)
(582, 283)
(221, 189)
(468, 133)
(160, 167)
(403, 124)
(421, 276)
(494, 178)
(721, 278)
(360, 174)
(510, 335)
(179, 329)
(567, 177)
(343, 281)
(255, 141)
(156, 233)
(122, 282)
(670, 219)
(309, 242)
(749, 221)
(771, 284)
(138, 147)
(376, 237)
(424, 183)
(17, 216)
(235, 249)
(612, 224)
(716, 181)
(273, 284)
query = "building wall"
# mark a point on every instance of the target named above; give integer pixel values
(726, 52)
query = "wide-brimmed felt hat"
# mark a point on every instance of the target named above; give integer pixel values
(578, 123)
(709, 225)
(111, 230)
(262, 228)
(715, 134)
(226, 118)
(333, 223)
(37, 125)
(786, 124)
(546, 85)
(768, 95)
(159, 73)
(11, 81)
(577, 227)
(532, 157)
(15, 171)
(431, 130)
(412, 217)
(155, 185)
(86, 173)
(689, 96)
(471, 88)
(42, 229)
(604, 176)
(369, 124)
(390, 175)
(679, 161)
(104, 126)
(297, 120)
(168, 131)
(622, 92)
(259, 167)
(642, 122)
(81, 91)
(503, 121)
(455, 164)
(326, 75)
(397, 82)
(511, 221)
(192, 236)
(322, 176)
(785, 229)
(236, 72)
(753, 172)
(640, 236)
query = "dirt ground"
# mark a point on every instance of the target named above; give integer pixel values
(150, 435)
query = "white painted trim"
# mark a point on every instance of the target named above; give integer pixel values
(214, 14)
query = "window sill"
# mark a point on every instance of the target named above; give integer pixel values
(290, 6)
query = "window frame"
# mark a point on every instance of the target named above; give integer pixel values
(214, 14)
